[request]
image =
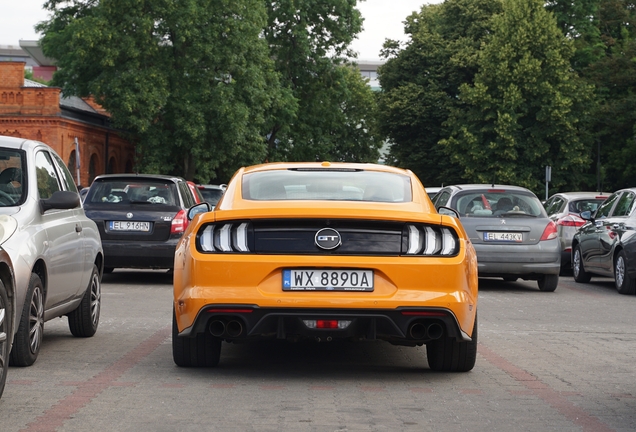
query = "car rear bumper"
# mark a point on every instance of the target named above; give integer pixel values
(404, 325)
(524, 261)
(131, 254)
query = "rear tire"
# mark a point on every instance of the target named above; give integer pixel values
(203, 350)
(578, 271)
(84, 320)
(624, 283)
(6, 322)
(447, 355)
(548, 283)
(28, 338)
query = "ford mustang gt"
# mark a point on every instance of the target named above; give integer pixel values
(325, 251)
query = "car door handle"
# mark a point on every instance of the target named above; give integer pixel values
(78, 228)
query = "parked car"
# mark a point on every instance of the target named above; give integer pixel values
(432, 191)
(196, 194)
(510, 230)
(606, 244)
(212, 193)
(140, 218)
(565, 209)
(325, 251)
(55, 249)
(7, 306)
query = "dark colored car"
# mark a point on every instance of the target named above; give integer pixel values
(212, 193)
(606, 245)
(565, 210)
(140, 218)
(510, 230)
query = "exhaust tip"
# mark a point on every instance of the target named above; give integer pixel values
(435, 331)
(234, 328)
(217, 328)
(417, 331)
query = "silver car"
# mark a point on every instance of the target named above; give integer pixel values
(55, 249)
(510, 230)
(565, 210)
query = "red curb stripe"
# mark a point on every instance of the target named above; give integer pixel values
(86, 391)
(555, 399)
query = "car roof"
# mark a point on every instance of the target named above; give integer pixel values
(325, 165)
(138, 176)
(461, 187)
(576, 195)
(21, 143)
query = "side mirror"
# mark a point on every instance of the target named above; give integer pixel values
(447, 211)
(587, 215)
(61, 200)
(199, 208)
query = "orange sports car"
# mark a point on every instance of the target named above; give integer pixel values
(324, 251)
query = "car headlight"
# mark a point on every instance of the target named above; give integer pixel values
(8, 225)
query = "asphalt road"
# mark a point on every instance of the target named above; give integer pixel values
(561, 361)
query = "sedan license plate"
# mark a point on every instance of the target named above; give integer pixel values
(129, 226)
(503, 236)
(327, 280)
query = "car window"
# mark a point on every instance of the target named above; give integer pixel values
(186, 194)
(624, 205)
(325, 184)
(211, 195)
(12, 177)
(441, 199)
(137, 190)
(497, 202)
(67, 178)
(48, 182)
(582, 205)
(554, 206)
(604, 209)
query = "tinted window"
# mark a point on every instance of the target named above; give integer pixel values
(211, 195)
(494, 203)
(441, 199)
(133, 191)
(625, 204)
(580, 206)
(555, 205)
(604, 209)
(325, 184)
(48, 183)
(186, 194)
(12, 177)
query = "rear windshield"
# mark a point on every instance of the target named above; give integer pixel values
(211, 195)
(326, 185)
(496, 203)
(582, 205)
(133, 191)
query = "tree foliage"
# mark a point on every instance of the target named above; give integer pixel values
(526, 108)
(206, 86)
(420, 83)
(330, 111)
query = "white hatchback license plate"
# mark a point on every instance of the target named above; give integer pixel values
(327, 280)
(503, 236)
(129, 226)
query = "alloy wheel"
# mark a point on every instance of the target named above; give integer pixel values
(96, 298)
(576, 262)
(619, 271)
(36, 320)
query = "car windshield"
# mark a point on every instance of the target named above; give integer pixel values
(132, 191)
(12, 177)
(211, 195)
(497, 202)
(326, 184)
(582, 205)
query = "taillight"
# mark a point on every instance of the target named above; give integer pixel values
(431, 240)
(179, 223)
(550, 232)
(224, 237)
(571, 220)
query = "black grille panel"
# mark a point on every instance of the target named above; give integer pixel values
(298, 237)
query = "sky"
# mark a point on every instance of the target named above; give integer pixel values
(383, 19)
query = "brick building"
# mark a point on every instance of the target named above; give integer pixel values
(34, 111)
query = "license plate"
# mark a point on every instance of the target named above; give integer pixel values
(327, 280)
(129, 226)
(503, 236)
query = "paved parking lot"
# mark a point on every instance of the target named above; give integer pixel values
(561, 361)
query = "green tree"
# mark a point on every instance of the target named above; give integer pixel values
(191, 80)
(420, 83)
(328, 111)
(527, 108)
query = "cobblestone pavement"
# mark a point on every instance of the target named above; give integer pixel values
(561, 361)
